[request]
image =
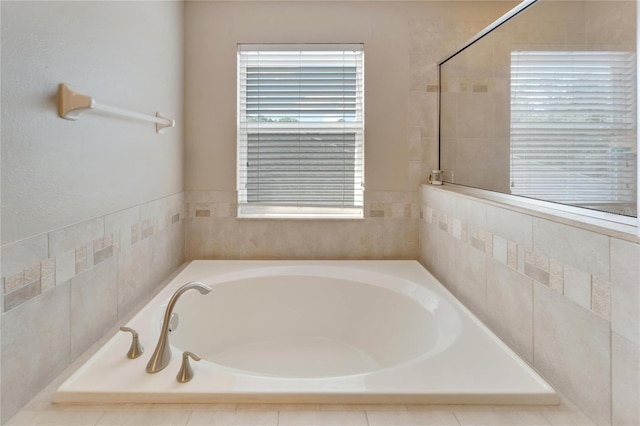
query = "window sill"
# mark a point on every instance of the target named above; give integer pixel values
(246, 211)
(600, 222)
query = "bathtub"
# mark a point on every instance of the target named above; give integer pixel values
(312, 332)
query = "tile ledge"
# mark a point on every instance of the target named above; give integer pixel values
(572, 216)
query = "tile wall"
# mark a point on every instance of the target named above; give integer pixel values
(565, 298)
(430, 42)
(62, 290)
(388, 231)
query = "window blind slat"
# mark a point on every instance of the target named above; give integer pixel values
(300, 127)
(573, 128)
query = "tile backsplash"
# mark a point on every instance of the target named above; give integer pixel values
(566, 298)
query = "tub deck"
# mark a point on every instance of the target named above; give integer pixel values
(477, 368)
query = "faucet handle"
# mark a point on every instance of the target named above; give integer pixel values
(136, 348)
(186, 372)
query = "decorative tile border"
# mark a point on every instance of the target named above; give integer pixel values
(592, 292)
(372, 210)
(43, 276)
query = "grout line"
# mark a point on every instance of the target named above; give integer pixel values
(189, 418)
(610, 374)
(104, 413)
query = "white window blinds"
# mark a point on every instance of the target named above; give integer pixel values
(300, 130)
(573, 128)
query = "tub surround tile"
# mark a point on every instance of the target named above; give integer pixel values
(625, 381)
(585, 250)
(471, 212)
(548, 271)
(521, 258)
(399, 239)
(585, 285)
(82, 261)
(500, 249)
(93, 305)
(437, 253)
(211, 239)
(47, 267)
(510, 307)
(103, 254)
(513, 226)
(601, 297)
(625, 291)
(471, 278)
(372, 238)
(74, 236)
(47, 283)
(577, 286)
(572, 346)
(35, 347)
(444, 202)
(65, 266)
(122, 220)
(152, 209)
(133, 278)
(556, 275)
(166, 253)
(32, 274)
(24, 293)
(18, 256)
(14, 282)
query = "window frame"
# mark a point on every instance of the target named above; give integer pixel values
(270, 210)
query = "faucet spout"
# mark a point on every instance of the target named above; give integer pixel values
(162, 354)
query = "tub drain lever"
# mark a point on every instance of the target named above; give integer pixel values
(136, 348)
(186, 372)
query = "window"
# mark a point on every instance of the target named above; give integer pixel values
(300, 131)
(573, 128)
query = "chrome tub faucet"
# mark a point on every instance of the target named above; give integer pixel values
(162, 354)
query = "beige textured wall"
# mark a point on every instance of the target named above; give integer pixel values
(403, 42)
(57, 172)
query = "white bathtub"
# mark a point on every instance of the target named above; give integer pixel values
(312, 331)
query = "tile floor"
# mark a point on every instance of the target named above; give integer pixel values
(280, 415)
(40, 412)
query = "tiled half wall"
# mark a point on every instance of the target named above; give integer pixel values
(566, 299)
(62, 290)
(389, 230)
